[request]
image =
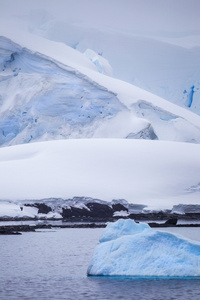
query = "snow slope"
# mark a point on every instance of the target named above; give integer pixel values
(13, 210)
(151, 44)
(155, 173)
(130, 249)
(51, 91)
(45, 99)
(42, 98)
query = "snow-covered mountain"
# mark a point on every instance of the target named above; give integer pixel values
(44, 99)
(171, 71)
(52, 91)
(63, 79)
(151, 44)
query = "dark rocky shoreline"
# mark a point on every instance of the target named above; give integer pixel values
(81, 209)
(18, 229)
(81, 212)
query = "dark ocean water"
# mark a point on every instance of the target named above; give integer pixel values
(53, 264)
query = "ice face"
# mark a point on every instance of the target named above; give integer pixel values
(43, 100)
(166, 71)
(130, 249)
(121, 228)
(190, 96)
(165, 124)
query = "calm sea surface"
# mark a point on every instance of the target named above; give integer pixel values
(52, 264)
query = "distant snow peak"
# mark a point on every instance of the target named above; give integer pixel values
(39, 17)
(186, 209)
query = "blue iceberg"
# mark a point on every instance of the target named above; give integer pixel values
(130, 249)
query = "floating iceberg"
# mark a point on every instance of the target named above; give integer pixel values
(130, 249)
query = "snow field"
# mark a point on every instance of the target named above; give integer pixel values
(51, 91)
(154, 173)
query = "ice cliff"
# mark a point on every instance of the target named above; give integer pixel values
(43, 98)
(130, 249)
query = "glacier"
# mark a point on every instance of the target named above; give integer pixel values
(44, 99)
(56, 84)
(41, 99)
(130, 249)
(166, 72)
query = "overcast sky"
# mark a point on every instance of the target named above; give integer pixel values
(133, 15)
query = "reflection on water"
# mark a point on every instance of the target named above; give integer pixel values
(53, 264)
(102, 288)
(147, 288)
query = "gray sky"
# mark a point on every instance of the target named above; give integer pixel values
(132, 15)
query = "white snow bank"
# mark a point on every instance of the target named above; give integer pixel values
(138, 250)
(57, 51)
(152, 173)
(121, 213)
(13, 210)
(9, 209)
(50, 215)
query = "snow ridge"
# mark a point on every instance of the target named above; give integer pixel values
(42, 99)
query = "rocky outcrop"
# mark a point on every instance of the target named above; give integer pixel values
(93, 211)
(8, 231)
(80, 209)
(17, 229)
(42, 208)
(83, 209)
(171, 221)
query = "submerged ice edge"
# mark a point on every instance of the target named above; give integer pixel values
(140, 277)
